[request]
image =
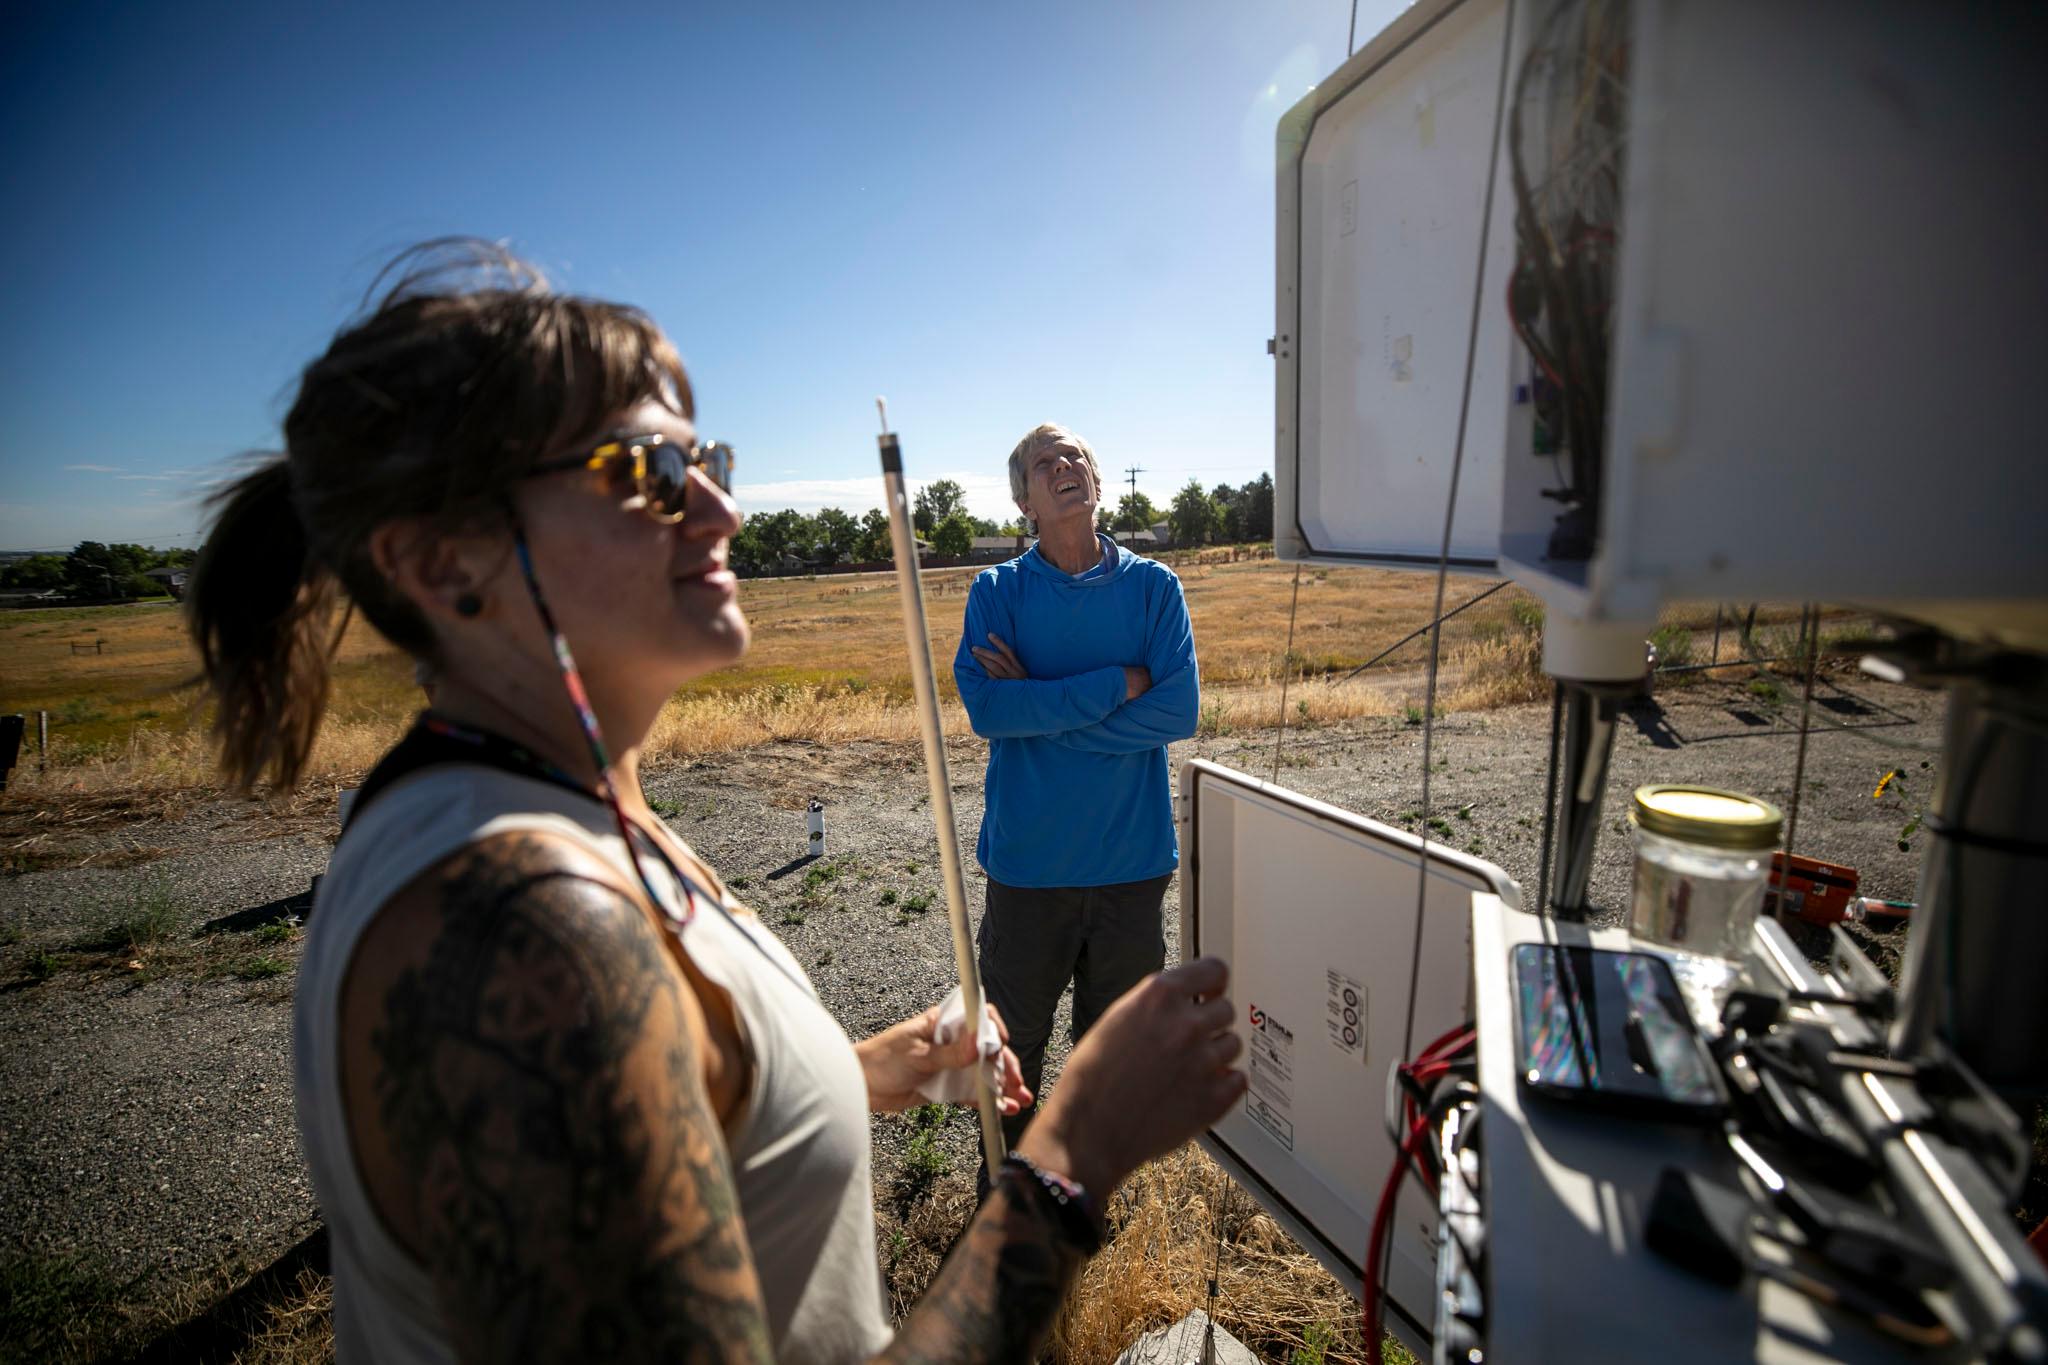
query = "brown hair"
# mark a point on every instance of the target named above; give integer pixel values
(466, 371)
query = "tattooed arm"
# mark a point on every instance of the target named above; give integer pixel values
(538, 1077)
(550, 1153)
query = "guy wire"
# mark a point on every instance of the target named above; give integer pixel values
(1812, 634)
(1424, 629)
(1443, 560)
(1222, 1203)
(1287, 663)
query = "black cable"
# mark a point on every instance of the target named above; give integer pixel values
(1549, 801)
(1443, 560)
(1419, 630)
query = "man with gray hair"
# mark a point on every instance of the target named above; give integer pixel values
(1078, 667)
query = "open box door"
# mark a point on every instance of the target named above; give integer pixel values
(1313, 907)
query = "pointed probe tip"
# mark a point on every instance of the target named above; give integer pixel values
(882, 409)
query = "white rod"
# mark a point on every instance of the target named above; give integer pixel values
(904, 543)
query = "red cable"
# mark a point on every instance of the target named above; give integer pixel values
(1369, 1297)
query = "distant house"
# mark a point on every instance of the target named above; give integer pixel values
(1158, 536)
(996, 549)
(172, 579)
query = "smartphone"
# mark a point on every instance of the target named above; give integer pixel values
(1610, 1029)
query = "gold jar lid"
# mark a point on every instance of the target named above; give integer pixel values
(1707, 815)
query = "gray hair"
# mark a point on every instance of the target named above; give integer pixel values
(1038, 438)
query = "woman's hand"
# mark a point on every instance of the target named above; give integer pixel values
(1153, 1072)
(899, 1059)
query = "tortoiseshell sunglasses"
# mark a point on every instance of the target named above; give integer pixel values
(661, 469)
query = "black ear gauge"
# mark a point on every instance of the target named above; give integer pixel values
(469, 604)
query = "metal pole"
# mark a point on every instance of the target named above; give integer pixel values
(905, 546)
(42, 741)
(1716, 655)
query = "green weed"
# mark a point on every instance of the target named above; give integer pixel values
(917, 902)
(151, 920)
(259, 968)
(1315, 1344)
(888, 896)
(1673, 644)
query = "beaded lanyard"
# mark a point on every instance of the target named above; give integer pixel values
(579, 699)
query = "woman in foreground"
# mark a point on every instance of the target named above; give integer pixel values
(563, 1100)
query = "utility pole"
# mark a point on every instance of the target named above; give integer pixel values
(1134, 471)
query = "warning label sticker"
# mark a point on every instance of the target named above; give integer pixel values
(1270, 1100)
(1344, 1014)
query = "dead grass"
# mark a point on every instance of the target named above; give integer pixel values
(827, 666)
(69, 1309)
(1154, 1270)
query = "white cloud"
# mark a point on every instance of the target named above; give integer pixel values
(93, 468)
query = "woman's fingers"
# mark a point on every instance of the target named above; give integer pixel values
(1204, 977)
(1215, 1015)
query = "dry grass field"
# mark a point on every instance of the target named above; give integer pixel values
(828, 662)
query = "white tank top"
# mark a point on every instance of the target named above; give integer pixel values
(799, 1154)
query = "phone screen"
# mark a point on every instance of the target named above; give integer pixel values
(1608, 1025)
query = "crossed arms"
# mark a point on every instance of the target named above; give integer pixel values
(1118, 709)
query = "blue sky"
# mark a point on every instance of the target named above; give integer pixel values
(993, 215)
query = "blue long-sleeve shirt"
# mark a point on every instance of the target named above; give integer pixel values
(1078, 791)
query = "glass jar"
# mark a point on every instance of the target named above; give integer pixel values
(1701, 868)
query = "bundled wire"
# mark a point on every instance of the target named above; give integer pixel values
(1422, 1109)
(1560, 293)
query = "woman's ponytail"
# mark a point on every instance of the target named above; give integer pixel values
(261, 609)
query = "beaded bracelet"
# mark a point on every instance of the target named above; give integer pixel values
(1078, 1215)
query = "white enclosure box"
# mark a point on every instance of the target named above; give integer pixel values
(1828, 321)
(1314, 908)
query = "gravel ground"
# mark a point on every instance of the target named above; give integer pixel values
(147, 1118)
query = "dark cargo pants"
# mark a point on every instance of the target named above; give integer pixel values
(1105, 939)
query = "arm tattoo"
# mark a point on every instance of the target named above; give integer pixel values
(995, 1299)
(537, 1077)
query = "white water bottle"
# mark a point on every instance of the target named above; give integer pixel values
(817, 827)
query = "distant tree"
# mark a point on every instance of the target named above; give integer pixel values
(936, 501)
(1015, 527)
(874, 536)
(1105, 520)
(984, 527)
(838, 535)
(786, 532)
(747, 555)
(954, 535)
(1135, 512)
(1258, 508)
(1229, 512)
(37, 573)
(1193, 516)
